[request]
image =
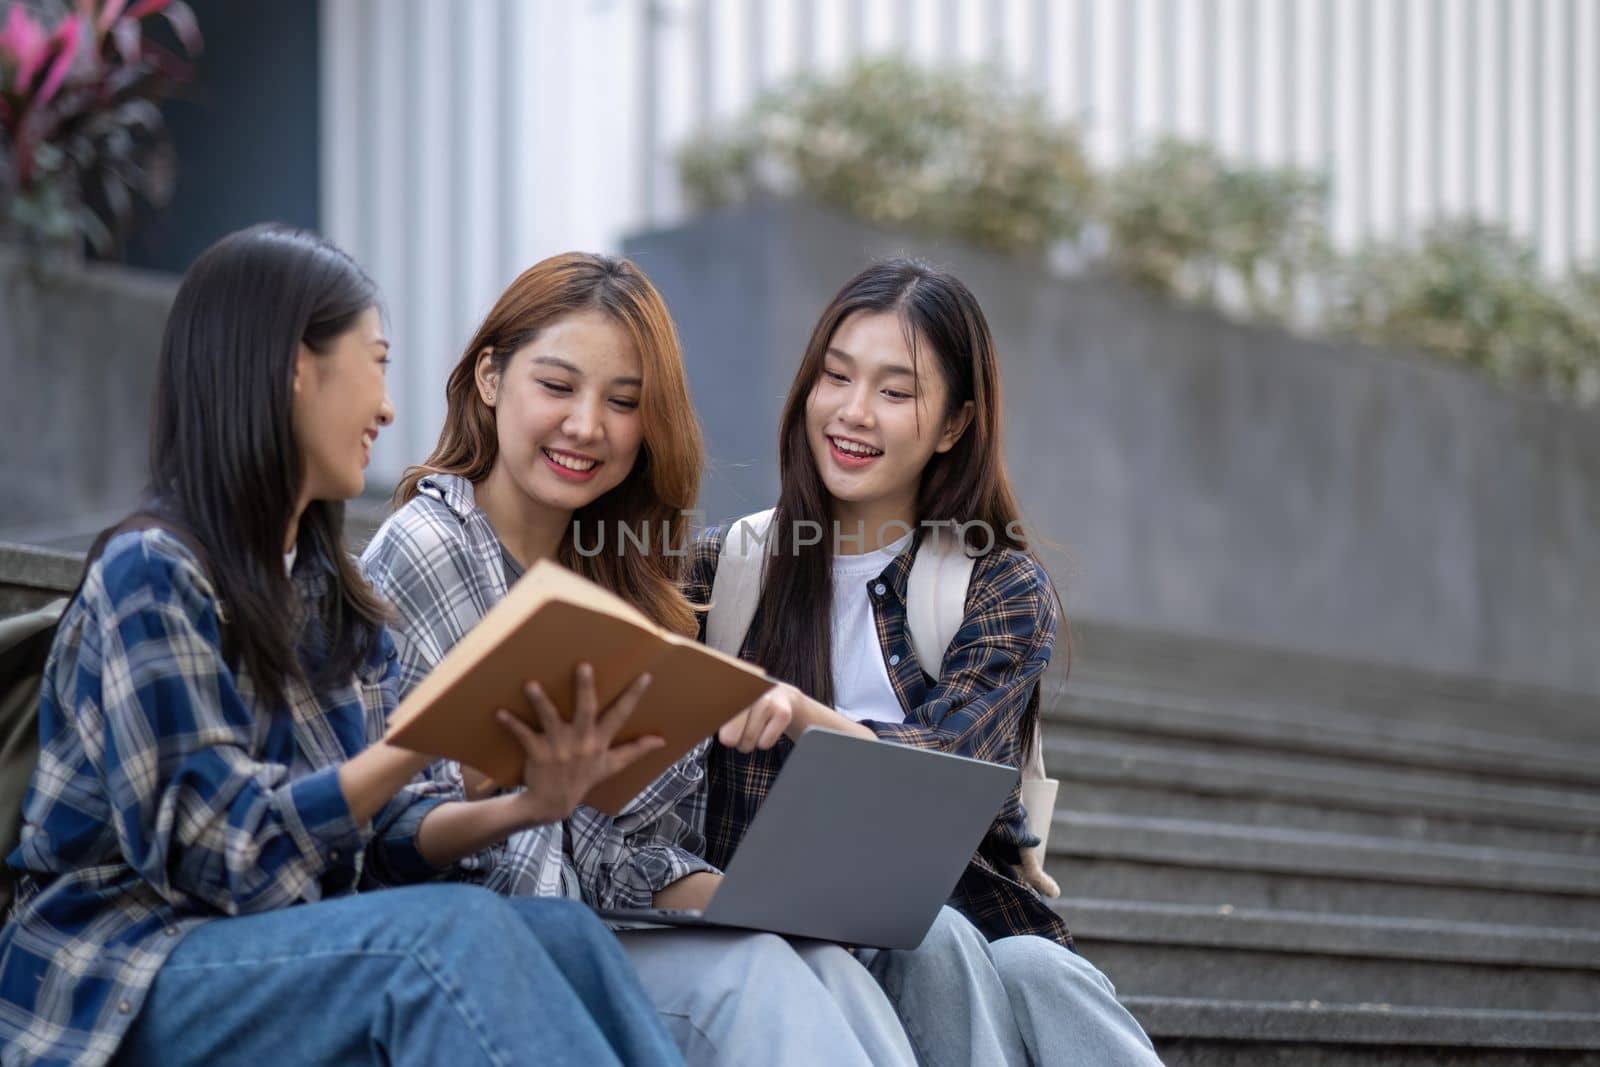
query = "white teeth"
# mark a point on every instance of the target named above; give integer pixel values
(855, 449)
(570, 463)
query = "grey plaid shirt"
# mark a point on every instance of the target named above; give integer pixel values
(439, 562)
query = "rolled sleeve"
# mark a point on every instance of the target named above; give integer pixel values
(394, 858)
(650, 870)
(319, 816)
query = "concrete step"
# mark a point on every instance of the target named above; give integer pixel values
(1310, 852)
(1305, 685)
(1307, 790)
(1116, 878)
(1110, 790)
(1205, 864)
(1195, 1032)
(1092, 710)
(1242, 954)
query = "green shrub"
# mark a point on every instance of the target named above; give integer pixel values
(955, 155)
(966, 156)
(1471, 292)
(1182, 219)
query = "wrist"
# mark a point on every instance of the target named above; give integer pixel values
(523, 810)
(807, 713)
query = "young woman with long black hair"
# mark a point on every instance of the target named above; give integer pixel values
(890, 440)
(211, 789)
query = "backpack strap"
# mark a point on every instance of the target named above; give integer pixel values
(736, 590)
(936, 596)
(936, 602)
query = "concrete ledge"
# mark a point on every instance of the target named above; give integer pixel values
(1320, 854)
(1134, 878)
(31, 577)
(1181, 668)
(1389, 738)
(1137, 788)
(1332, 783)
(1364, 1024)
(1332, 935)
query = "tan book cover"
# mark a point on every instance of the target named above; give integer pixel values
(550, 621)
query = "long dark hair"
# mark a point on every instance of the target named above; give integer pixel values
(967, 484)
(224, 464)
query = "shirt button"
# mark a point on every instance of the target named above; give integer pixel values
(334, 855)
(124, 1007)
(171, 931)
(880, 589)
(894, 661)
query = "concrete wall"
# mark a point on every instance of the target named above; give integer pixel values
(1203, 476)
(78, 354)
(247, 132)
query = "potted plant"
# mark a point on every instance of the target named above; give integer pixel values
(81, 132)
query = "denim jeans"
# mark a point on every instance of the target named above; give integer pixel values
(423, 975)
(1019, 1000)
(737, 998)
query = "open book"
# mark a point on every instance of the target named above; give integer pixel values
(549, 622)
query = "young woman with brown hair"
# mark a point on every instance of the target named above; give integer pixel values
(569, 436)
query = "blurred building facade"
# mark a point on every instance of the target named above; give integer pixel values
(462, 142)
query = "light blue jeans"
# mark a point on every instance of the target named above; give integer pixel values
(745, 998)
(423, 975)
(1020, 1000)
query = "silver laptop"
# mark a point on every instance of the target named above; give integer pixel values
(858, 842)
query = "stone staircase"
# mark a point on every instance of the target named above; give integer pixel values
(1286, 859)
(1282, 859)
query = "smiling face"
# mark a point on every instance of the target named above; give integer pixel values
(873, 423)
(567, 421)
(340, 403)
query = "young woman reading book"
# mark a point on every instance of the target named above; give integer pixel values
(891, 432)
(568, 420)
(211, 788)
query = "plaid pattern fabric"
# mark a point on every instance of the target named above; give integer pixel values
(989, 680)
(166, 797)
(439, 562)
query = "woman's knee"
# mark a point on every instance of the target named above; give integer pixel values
(569, 931)
(1033, 962)
(839, 971)
(952, 938)
(768, 954)
(447, 910)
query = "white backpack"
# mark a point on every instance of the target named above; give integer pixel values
(936, 601)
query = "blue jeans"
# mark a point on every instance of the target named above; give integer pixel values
(732, 998)
(1019, 1000)
(423, 975)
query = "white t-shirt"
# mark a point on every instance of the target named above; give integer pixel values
(861, 687)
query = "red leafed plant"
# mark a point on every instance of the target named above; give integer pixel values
(81, 132)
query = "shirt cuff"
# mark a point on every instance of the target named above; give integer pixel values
(649, 870)
(320, 819)
(396, 858)
(913, 736)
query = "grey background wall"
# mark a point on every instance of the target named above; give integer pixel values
(1201, 476)
(247, 135)
(78, 351)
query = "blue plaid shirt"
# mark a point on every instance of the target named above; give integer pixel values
(166, 797)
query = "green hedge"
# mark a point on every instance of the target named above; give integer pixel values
(966, 155)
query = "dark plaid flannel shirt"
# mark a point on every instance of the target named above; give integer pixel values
(990, 679)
